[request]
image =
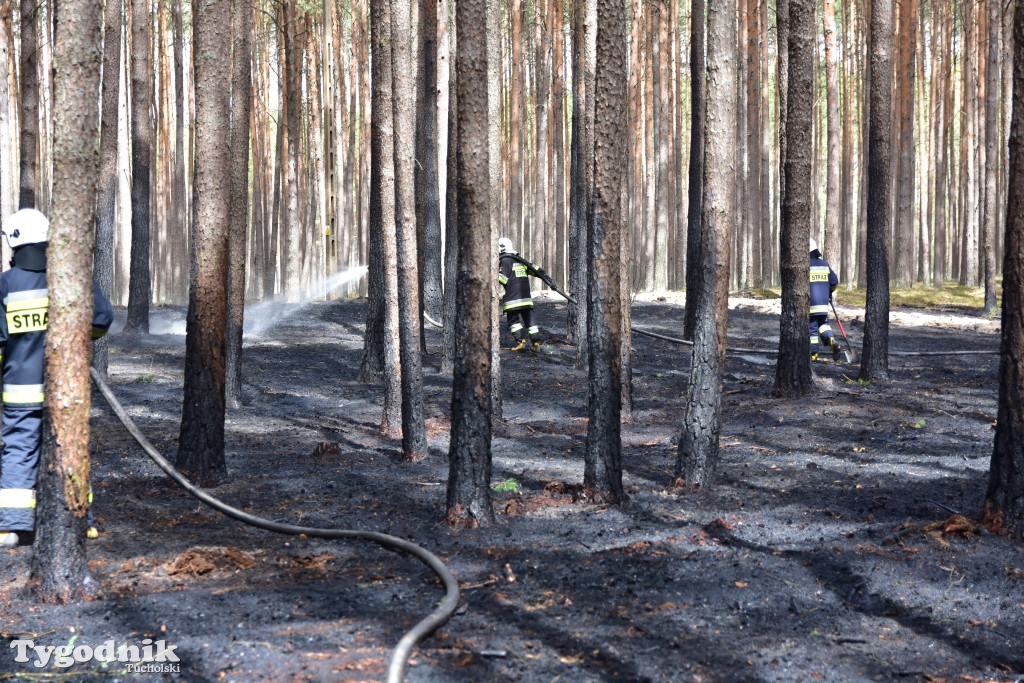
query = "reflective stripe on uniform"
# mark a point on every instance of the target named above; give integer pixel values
(814, 339)
(819, 273)
(17, 498)
(822, 329)
(517, 303)
(515, 327)
(533, 330)
(502, 279)
(817, 310)
(27, 311)
(23, 393)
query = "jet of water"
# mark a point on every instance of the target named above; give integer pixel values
(259, 317)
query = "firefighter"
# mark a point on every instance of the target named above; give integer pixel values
(514, 275)
(23, 323)
(823, 287)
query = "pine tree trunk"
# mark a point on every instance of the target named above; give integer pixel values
(414, 435)
(832, 211)
(793, 371)
(904, 257)
(992, 144)
(241, 97)
(107, 180)
(468, 501)
(428, 202)
(59, 567)
(698, 90)
(875, 359)
(28, 71)
(139, 286)
(699, 438)
(1005, 496)
(201, 444)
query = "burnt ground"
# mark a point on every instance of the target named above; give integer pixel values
(825, 550)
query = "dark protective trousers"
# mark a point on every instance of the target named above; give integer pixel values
(520, 319)
(22, 432)
(820, 328)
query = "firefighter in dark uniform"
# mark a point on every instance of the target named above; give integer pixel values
(823, 286)
(25, 303)
(517, 303)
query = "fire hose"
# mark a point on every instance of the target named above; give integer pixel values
(426, 626)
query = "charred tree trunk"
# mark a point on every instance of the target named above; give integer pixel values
(201, 444)
(414, 435)
(1005, 496)
(698, 441)
(875, 359)
(29, 72)
(469, 475)
(428, 203)
(698, 90)
(241, 97)
(793, 371)
(451, 219)
(139, 285)
(106, 213)
(59, 569)
(602, 473)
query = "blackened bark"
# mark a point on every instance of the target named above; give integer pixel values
(451, 221)
(602, 472)
(201, 444)
(59, 568)
(383, 147)
(698, 103)
(469, 455)
(875, 359)
(698, 441)
(782, 75)
(103, 263)
(992, 145)
(793, 370)
(139, 283)
(241, 97)
(428, 203)
(581, 155)
(1005, 494)
(414, 434)
(372, 367)
(28, 71)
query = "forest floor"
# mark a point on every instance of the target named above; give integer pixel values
(826, 549)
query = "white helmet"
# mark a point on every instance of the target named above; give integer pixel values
(26, 226)
(505, 246)
(814, 245)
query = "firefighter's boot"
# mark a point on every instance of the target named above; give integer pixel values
(837, 351)
(535, 347)
(520, 345)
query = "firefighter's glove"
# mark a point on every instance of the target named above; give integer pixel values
(835, 301)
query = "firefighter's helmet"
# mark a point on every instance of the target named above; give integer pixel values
(27, 226)
(505, 246)
(814, 245)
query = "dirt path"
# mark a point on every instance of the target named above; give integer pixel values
(811, 558)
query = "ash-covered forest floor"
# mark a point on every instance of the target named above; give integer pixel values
(824, 551)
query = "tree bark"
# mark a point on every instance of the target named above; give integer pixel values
(992, 145)
(414, 435)
(106, 214)
(140, 291)
(793, 370)
(832, 213)
(602, 472)
(1004, 500)
(59, 568)
(241, 97)
(29, 72)
(699, 438)
(428, 202)
(201, 444)
(875, 359)
(904, 256)
(698, 90)
(468, 501)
